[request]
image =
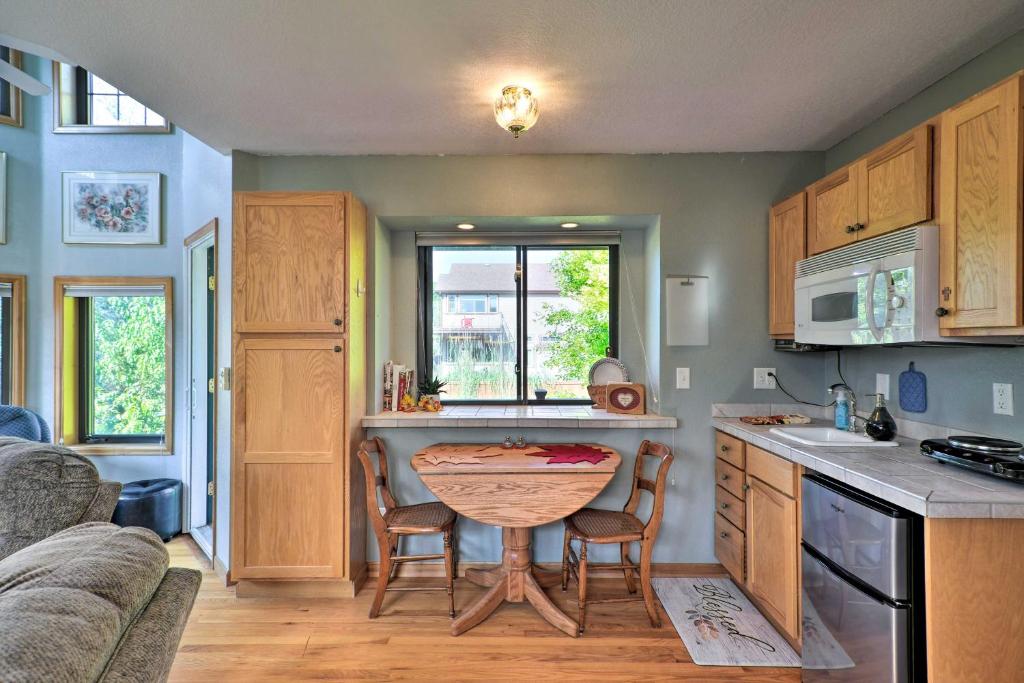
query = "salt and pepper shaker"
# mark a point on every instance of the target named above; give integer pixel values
(521, 442)
(507, 443)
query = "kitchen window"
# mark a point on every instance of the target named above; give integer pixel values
(114, 374)
(502, 321)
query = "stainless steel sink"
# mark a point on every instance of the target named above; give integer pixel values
(829, 436)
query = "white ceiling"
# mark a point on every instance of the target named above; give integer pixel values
(419, 76)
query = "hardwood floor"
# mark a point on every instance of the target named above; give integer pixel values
(265, 639)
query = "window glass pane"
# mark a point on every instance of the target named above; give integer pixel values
(103, 110)
(154, 119)
(128, 370)
(473, 348)
(99, 86)
(132, 112)
(567, 318)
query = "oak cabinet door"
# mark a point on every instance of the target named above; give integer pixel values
(773, 554)
(895, 184)
(787, 229)
(832, 211)
(289, 262)
(980, 249)
(288, 449)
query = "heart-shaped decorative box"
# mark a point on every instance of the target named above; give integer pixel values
(627, 398)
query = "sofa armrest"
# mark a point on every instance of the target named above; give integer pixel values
(102, 507)
(147, 649)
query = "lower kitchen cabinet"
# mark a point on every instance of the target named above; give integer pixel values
(757, 529)
(773, 546)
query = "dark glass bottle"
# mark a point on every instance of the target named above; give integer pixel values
(880, 426)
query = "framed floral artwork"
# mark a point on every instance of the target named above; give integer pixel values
(111, 208)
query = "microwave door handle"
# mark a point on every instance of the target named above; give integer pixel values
(869, 305)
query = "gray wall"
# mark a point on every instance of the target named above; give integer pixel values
(959, 379)
(713, 221)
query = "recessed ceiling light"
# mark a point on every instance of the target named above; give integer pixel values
(465, 226)
(570, 226)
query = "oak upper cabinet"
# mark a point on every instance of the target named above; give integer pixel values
(299, 358)
(831, 211)
(894, 184)
(773, 538)
(888, 189)
(787, 227)
(981, 248)
(289, 265)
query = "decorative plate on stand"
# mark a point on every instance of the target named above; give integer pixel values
(608, 371)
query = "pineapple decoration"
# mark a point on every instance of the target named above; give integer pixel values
(430, 394)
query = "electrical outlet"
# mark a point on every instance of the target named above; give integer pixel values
(882, 384)
(762, 380)
(1002, 399)
(682, 378)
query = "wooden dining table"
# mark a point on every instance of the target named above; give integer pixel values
(515, 489)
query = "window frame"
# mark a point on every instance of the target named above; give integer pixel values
(127, 445)
(69, 95)
(18, 332)
(425, 340)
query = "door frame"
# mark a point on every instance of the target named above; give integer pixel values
(202, 238)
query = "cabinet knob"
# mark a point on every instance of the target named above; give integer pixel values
(725, 477)
(941, 311)
(337, 321)
(725, 506)
(337, 349)
(849, 228)
(724, 534)
(746, 487)
(723, 448)
(857, 227)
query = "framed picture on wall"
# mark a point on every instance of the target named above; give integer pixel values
(10, 96)
(103, 207)
(3, 197)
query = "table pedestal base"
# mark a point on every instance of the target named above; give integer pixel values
(515, 580)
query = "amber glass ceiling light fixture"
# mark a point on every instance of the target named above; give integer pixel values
(516, 109)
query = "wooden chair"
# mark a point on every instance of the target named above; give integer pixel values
(591, 525)
(398, 521)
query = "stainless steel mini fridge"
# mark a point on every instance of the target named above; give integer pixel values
(863, 597)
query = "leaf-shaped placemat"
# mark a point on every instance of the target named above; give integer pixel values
(558, 454)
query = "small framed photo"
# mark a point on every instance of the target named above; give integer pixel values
(3, 197)
(111, 208)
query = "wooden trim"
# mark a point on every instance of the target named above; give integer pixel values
(59, 283)
(594, 570)
(19, 287)
(59, 127)
(297, 588)
(16, 118)
(202, 232)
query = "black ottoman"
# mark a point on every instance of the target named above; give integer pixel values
(151, 503)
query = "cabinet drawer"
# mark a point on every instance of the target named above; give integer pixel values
(730, 449)
(730, 507)
(728, 477)
(773, 470)
(729, 543)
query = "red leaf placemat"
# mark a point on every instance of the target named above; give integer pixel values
(571, 453)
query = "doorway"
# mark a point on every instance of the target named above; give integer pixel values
(200, 460)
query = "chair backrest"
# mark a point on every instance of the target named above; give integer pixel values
(650, 449)
(376, 481)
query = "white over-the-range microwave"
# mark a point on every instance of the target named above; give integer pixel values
(880, 291)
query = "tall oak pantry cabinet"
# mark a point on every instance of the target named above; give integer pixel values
(298, 522)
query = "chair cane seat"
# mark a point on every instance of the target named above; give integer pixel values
(604, 526)
(423, 518)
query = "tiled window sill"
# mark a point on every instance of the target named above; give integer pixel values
(551, 417)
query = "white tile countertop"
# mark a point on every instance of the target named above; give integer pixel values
(899, 475)
(554, 417)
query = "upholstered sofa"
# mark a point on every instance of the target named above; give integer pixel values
(44, 489)
(95, 602)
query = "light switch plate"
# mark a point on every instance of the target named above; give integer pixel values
(762, 380)
(1002, 399)
(882, 384)
(682, 378)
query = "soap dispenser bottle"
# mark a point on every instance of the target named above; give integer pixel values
(844, 405)
(880, 426)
